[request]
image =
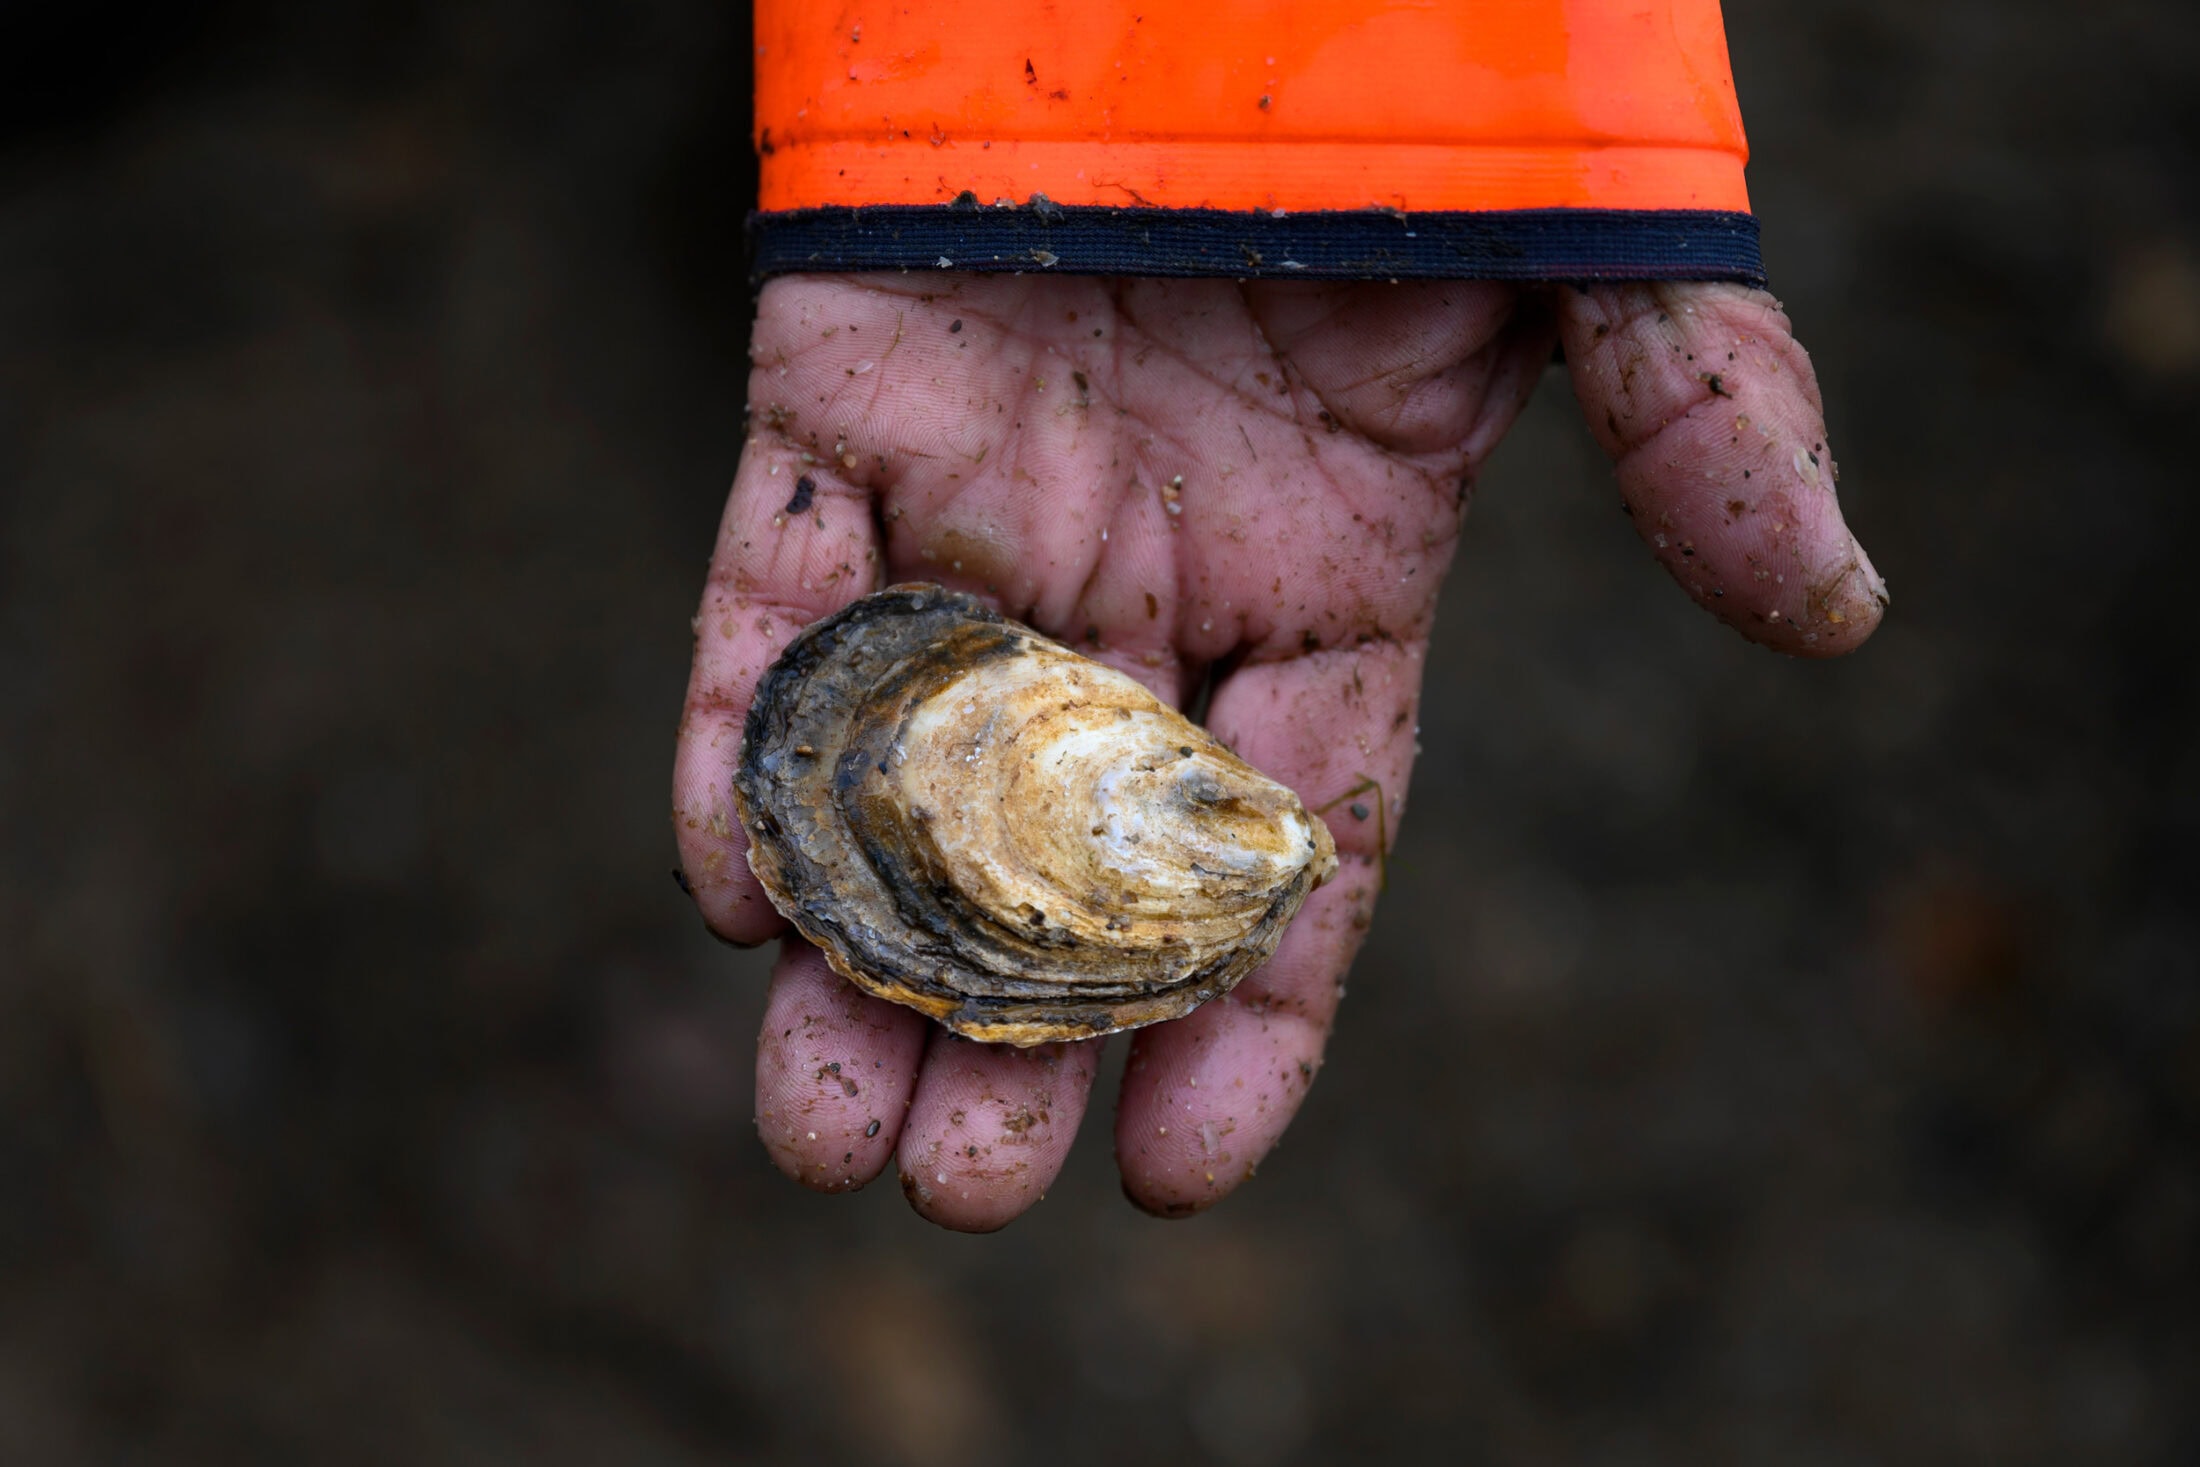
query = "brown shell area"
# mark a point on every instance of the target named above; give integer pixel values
(973, 820)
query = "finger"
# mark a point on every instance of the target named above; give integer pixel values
(1205, 1097)
(1712, 416)
(798, 541)
(990, 1127)
(835, 1068)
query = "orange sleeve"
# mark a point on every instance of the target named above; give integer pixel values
(1531, 138)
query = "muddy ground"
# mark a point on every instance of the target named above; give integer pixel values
(1753, 1061)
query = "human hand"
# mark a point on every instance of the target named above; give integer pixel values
(1251, 487)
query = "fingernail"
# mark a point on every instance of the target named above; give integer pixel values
(1874, 582)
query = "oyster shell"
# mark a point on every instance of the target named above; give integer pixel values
(977, 822)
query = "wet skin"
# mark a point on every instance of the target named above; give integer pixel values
(1261, 485)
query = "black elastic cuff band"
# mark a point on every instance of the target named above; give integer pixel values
(1357, 244)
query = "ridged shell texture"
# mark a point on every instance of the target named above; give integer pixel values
(975, 821)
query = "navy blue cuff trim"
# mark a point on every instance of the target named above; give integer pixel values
(1357, 244)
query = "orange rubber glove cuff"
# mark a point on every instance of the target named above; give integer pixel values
(1509, 139)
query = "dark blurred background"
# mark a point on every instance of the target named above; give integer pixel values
(1754, 1061)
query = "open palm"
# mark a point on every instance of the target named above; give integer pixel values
(1252, 489)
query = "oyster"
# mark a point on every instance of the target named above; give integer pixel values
(977, 822)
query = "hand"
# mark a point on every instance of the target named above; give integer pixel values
(1258, 485)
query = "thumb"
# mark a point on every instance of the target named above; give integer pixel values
(1712, 417)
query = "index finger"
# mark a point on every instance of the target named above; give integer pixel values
(1206, 1096)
